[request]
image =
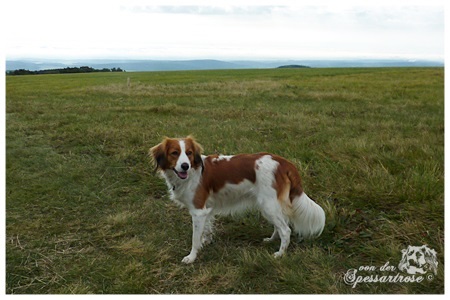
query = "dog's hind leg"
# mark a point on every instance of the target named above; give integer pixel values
(285, 235)
(271, 210)
(274, 236)
(267, 199)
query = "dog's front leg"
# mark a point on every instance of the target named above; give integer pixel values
(199, 217)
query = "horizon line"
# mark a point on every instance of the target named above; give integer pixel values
(411, 59)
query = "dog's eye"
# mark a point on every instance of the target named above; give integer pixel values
(174, 153)
(189, 153)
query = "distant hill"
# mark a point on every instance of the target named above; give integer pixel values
(208, 64)
(293, 67)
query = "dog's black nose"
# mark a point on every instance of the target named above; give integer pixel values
(185, 166)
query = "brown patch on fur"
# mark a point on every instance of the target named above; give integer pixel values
(219, 172)
(287, 180)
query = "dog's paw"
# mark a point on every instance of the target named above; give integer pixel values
(267, 240)
(188, 259)
(278, 254)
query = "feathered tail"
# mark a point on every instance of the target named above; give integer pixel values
(307, 217)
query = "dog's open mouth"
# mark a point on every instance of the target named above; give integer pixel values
(181, 175)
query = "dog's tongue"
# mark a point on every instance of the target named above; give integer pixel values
(182, 175)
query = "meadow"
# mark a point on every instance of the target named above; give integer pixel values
(86, 213)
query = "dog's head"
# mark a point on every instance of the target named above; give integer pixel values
(418, 259)
(178, 155)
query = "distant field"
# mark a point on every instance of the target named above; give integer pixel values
(86, 214)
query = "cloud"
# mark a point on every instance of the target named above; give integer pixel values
(132, 28)
(203, 10)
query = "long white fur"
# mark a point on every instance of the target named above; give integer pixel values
(307, 217)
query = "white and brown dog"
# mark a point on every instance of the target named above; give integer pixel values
(218, 184)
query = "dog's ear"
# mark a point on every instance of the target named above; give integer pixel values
(198, 154)
(198, 150)
(430, 257)
(158, 155)
(428, 252)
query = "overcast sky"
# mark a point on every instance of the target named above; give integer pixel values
(224, 29)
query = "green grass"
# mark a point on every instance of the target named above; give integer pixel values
(86, 214)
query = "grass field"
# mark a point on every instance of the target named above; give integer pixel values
(86, 214)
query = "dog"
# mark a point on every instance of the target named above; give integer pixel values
(418, 260)
(228, 184)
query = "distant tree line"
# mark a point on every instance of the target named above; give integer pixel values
(84, 69)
